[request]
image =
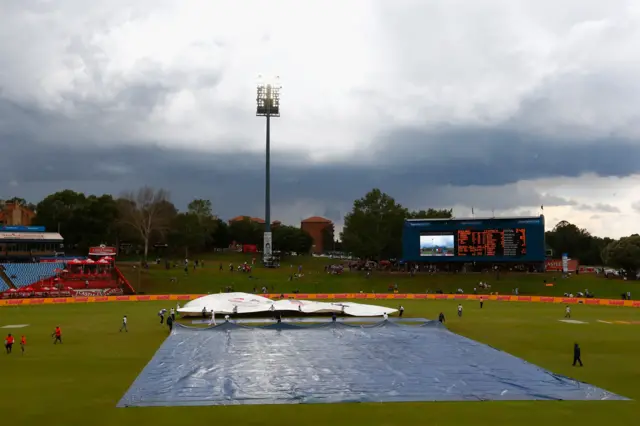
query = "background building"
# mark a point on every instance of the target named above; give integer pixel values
(15, 214)
(321, 230)
(257, 220)
(241, 218)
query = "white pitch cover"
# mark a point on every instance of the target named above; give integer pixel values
(245, 303)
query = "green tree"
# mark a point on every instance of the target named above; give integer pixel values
(147, 211)
(431, 214)
(624, 254)
(83, 221)
(578, 243)
(291, 239)
(373, 229)
(201, 208)
(194, 229)
(328, 237)
(97, 221)
(246, 231)
(56, 212)
(221, 235)
(188, 233)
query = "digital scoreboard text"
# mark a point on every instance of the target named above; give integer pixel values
(511, 242)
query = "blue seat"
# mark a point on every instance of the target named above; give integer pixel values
(24, 274)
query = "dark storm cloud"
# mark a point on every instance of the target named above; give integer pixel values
(472, 167)
(233, 182)
(480, 156)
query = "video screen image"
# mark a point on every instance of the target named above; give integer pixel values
(437, 245)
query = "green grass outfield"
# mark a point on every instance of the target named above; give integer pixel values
(157, 280)
(80, 382)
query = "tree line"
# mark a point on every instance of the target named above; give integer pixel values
(372, 229)
(147, 218)
(580, 244)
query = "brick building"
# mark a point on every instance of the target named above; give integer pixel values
(16, 214)
(318, 227)
(257, 220)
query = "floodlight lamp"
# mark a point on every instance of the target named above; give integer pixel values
(268, 98)
(276, 83)
(273, 83)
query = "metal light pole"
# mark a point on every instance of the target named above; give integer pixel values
(268, 105)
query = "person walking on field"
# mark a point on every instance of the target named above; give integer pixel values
(576, 355)
(58, 336)
(124, 324)
(567, 312)
(460, 310)
(23, 343)
(8, 343)
(170, 324)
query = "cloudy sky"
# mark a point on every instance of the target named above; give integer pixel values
(497, 105)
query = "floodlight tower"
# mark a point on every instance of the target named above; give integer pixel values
(268, 105)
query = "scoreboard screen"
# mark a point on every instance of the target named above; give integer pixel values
(507, 242)
(474, 240)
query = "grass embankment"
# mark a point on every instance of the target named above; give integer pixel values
(210, 279)
(80, 382)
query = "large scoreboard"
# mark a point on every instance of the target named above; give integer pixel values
(474, 240)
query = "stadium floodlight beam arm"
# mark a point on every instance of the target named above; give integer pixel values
(268, 105)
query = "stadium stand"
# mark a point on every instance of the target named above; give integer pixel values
(3, 286)
(24, 274)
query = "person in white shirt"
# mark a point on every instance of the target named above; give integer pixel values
(213, 318)
(385, 316)
(173, 314)
(567, 312)
(226, 318)
(124, 324)
(459, 310)
(401, 311)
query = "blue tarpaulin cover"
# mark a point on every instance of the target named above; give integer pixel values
(231, 364)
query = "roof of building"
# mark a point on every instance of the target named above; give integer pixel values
(316, 219)
(252, 219)
(30, 236)
(475, 218)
